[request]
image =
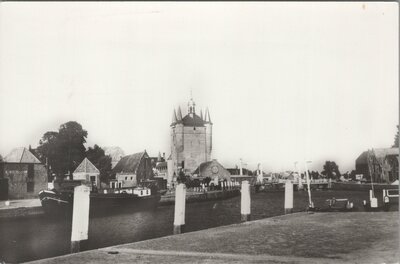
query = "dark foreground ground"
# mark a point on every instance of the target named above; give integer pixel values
(358, 237)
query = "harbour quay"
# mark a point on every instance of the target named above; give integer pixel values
(353, 237)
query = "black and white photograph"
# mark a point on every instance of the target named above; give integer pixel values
(199, 132)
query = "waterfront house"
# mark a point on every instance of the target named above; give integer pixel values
(86, 172)
(22, 175)
(131, 170)
(380, 163)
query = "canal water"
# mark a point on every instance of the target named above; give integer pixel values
(38, 237)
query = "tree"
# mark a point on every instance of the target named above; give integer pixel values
(97, 156)
(396, 139)
(331, 170)
(1, 158)
(63, 150)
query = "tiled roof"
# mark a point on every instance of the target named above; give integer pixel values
(87, 167)
(129, 163)
(21, 155)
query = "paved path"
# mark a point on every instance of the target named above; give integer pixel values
(298, 238)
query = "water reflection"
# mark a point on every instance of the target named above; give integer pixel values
(36, 238)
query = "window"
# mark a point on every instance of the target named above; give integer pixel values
(126, 178)
(131, 178)
(93, 178)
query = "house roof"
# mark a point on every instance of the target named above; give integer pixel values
(380, 153)
(21, 155)
(129, 163)
(87, 167)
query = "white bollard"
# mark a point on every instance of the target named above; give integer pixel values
(80, 217)
(288, 197)
(245, 201)
(7, 203)
(373, 200)
(180, 203)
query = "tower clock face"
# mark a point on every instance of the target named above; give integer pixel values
(214, 169)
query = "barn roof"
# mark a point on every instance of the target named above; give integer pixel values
(380, 153)
(87, 167)
(21, 155)
(129, 163)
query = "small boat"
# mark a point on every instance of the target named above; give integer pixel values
(337, 205)
(102, 202)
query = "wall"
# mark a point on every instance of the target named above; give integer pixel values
(193, 146)
(17, 173)
(130, 181)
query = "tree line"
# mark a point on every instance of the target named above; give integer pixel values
(63, 150)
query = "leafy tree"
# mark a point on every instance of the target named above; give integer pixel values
(64, 150)
(396, 139)
(97, 156)
(1, 158)
(331, 170)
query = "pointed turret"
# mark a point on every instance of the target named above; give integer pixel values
(201, 114)
(174, 119)
(159, 157)
(179, 114)
(207, 117)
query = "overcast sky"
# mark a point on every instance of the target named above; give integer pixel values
(284, 82)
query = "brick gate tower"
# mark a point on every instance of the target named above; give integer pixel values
(191, 139)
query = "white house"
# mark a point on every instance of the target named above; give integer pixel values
(88, 173)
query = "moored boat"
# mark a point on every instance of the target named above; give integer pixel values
(102, 202)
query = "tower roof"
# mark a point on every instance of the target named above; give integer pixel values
(192, 120)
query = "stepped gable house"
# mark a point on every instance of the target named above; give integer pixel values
(191, 139)
(131, 170)
(88, 173)
(22, 175)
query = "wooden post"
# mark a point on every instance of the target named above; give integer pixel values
(245, 201)
(80, 217)
(288, 197)
(180, 203)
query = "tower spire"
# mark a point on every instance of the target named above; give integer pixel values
(179, 114)
(174, 119)
(201, 114)
(207, 117)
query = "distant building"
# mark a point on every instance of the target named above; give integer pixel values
(131, 170)
(116, 154)
(212, 169)
(380, 163)
(236, 171)
(88, 173)
(191, 139)
(22, 175)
